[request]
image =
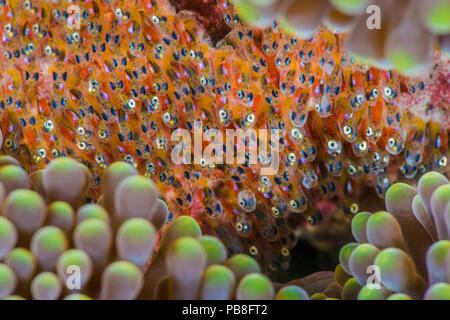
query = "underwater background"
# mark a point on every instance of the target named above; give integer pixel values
(91, 93)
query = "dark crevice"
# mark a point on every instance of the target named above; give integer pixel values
(208, 14)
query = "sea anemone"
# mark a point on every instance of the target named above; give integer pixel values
(404, 252)
(404, 38)
(55, 245)
(49, 235)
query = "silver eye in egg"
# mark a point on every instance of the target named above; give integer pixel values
(388, 91)
(167, 117)
(294, 204)
(296, 133)
(275, 211)
(81, 131)
(392, 142)
(128, 158)
(76, 36)
(376, 157)
(48, 50)
(265, 180)
(102, 134)
(131, 104)
(442, 162)
(159, 48)
(150, 166)
(359, 98)
(8, 28)
(362, 146)
(118, 13)
(374, 93)
(30, 47)
(292, 158)
(332, 144)
(334, 147)
(155, 101)
(55, 153)
(99, 158)
(253, 251)
(203, 163)
(348, 130)
(93, 85)
(41, 153)
(36, 28)
(223, 114)
(49, 125)
(250, 118)
(352, 170)
(369, 132)
(155, 19)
